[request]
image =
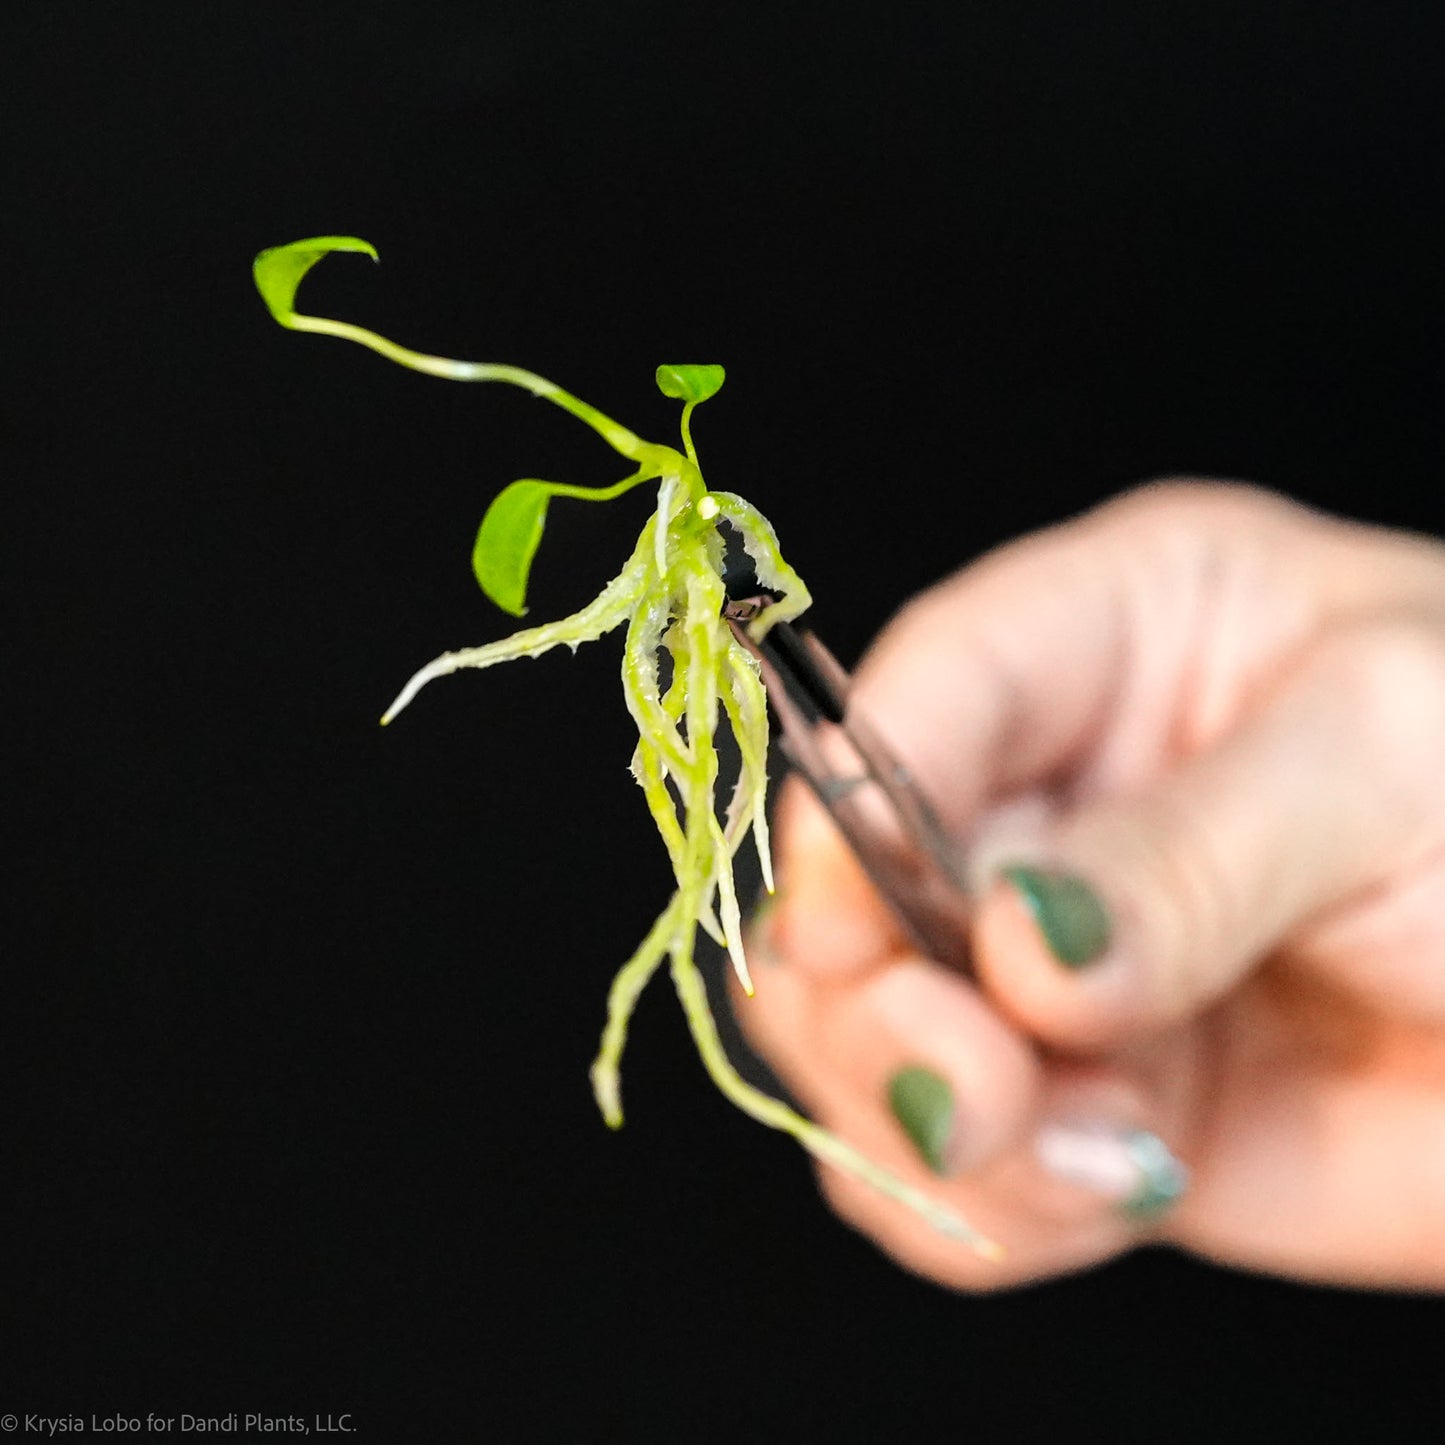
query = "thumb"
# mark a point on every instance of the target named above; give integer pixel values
(1140, 908)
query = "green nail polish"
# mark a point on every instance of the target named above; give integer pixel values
(1162, 1179)
(922, 1102)
(1070, 917)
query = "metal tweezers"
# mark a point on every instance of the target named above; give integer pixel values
(871, 797)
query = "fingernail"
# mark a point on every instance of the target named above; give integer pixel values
(922, 1102)
(1133, 1167)
(1070, 917)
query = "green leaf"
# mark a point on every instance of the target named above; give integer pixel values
(278, 271)
(690, 383)
(507, 541)
(510, 532)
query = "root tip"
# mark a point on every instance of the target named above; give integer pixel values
(608, 1097)
(740, 967)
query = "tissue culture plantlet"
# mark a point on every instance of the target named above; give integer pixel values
(670, 595)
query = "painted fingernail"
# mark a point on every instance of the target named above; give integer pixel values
(1069, 915)
(1132, 1167)
(922, 1102)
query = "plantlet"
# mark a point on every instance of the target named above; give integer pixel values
(670, 594)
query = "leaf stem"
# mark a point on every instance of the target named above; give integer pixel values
(613, 433)
(687, 432)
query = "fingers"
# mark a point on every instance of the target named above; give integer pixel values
(1320, 1151)
(1042, 1159)
(1089, 657)
(910, 1014)
(1049, 668)
(827, 916)
(1381, 950)
(1335, 785)
(1194, 732)
(1061, 661)
(1195, 723)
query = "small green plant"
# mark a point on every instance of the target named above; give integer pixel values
(671, 595)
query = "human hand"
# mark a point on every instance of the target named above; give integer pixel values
(1197, 739)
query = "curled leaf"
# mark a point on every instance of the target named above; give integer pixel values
(511, 531)
(693, 383)
(278, 271)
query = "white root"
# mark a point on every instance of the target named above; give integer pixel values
(610, 608)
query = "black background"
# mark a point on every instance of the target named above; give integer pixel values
(295, 1020)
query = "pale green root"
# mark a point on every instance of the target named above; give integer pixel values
(760, 542)
(705, 855)
(610, 608)
(706, 638)
(694, 768)
(728, 912)
(819, 1142)
(627, 986)
(667, 495)
(747, 710)
(649, 621)
(648, 770)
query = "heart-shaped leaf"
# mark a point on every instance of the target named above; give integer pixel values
(691, 383)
